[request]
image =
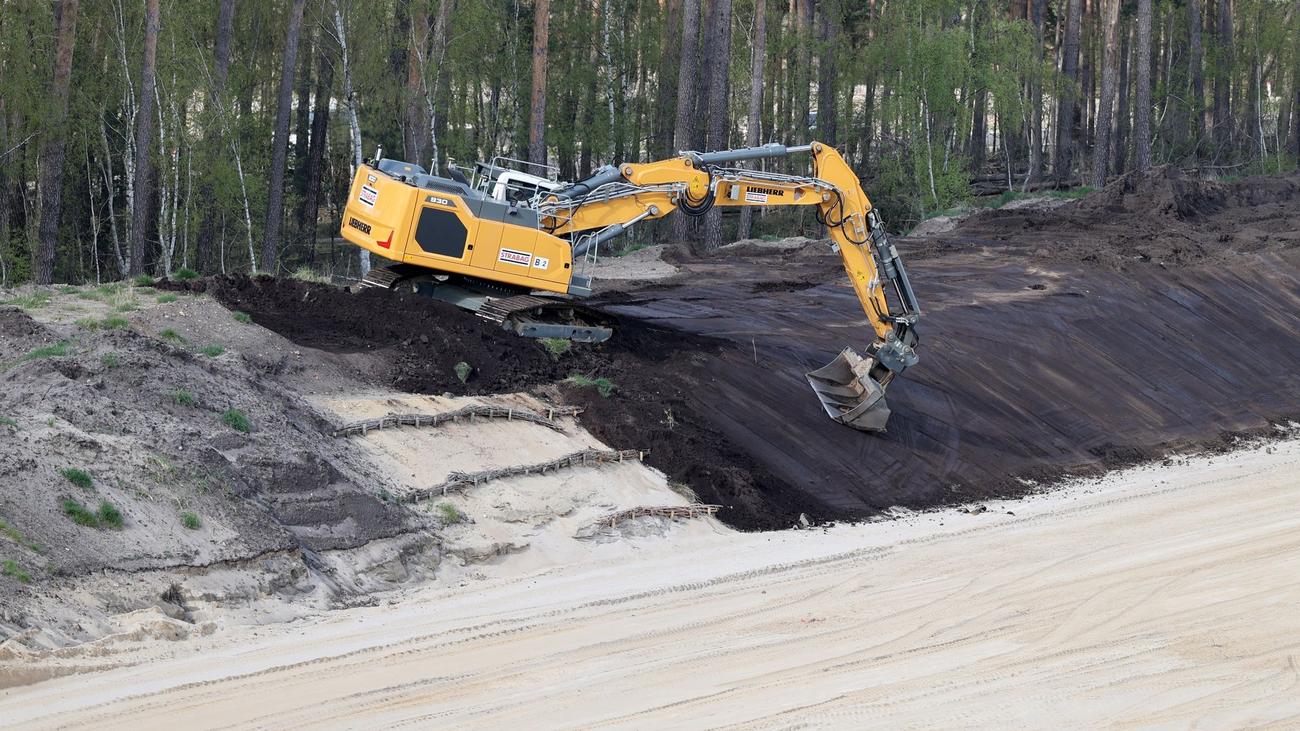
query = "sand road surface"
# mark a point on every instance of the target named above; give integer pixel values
(1161, 596)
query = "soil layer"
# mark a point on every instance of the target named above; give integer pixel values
(1156, 315)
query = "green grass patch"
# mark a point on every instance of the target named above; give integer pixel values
(30, 301)
(212, 351)
(6, 421)
(172, 335)
(181, 397)
(78, 477)
(603, 385)
(8, 567)
(13, 534)
(166, 299)
(109, 515)
(191, 521)
(143, 280)
(556, 346)
(463, 370)
(68, 289)
(50, 351)
(112, 322)
(185, 274)
(237, 420)
(307, 274)
(242, 317)
(88, 294)
(110, 360)
(79, 513)
(450, 514)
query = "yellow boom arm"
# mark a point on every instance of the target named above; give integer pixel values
(607, 204)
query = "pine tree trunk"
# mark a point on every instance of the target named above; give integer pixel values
(1142, 94)
(828, 31)
(684, 126)
(1068, 121)
(415, 130)
(1196, 72)
(280, 148)
(144, 134)
(205, 259)
(537, 108)
(803, 76)
(1122, 114)
(54, 146)
(715, 103)
(1109, 82)
(302, 119)
(757, 61)
(666, 81)
(1223, 78)
(1038, 15)
(318, 144)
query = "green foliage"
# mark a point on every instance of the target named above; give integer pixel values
(80, 514)
(29, 301)
(191, 521)
(306, 274)
(112, 322)
(9, 567)
(463, 370)
(181, 397)
(172, 335)
(385, 495)
(212, 351)
(50, 351)
(241, 317)
(109, 515)
(6, 421)
(110, 360)
(603, 385)
(77, 476)
(143, 280)
(450, 514)
(237, 420)
(166, 299)
(556, 346)
(185, 274)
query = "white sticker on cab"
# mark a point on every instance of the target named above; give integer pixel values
(541, 262)
(755, 197)
(510, 256)
(368, 195)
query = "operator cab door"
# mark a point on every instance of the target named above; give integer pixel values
(443, 229)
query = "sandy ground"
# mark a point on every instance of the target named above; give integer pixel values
(1160, 596)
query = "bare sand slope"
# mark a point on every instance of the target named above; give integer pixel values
(1159, 596)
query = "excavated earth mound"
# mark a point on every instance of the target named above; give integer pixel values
(1157, 315)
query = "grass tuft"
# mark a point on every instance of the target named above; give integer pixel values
(30, 301)
(110, 360)
(50, 351)
(79, 513)
(556, 346)
(13, 534)
(166, 299)
(191, 521)
(112, 322)
(78, 477)
(450, 514)
(237, 420)
(143, 280)
(181, 397)
(185, 274)
(242, 317)
(307, 274)
(212, 351)
(109, 515)
(603, 385)
(6, 421)
(463, 370)
(8, 567)
(172, 335)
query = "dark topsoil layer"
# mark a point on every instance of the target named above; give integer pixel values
(1158, 314)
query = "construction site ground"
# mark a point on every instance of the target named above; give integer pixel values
(1152, 320)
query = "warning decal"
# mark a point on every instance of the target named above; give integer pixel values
(368, 196)
(751, 197)
(510, 256)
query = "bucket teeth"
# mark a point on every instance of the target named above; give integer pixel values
(849, 394)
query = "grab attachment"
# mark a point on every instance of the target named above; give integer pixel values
(849, 393)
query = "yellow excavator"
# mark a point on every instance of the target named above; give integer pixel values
(511, 244)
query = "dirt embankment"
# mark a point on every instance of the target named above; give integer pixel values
(1155, 315)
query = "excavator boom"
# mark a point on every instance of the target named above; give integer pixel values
(493, 237)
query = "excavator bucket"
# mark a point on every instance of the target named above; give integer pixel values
(848, 392)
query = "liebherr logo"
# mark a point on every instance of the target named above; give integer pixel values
(767, 191)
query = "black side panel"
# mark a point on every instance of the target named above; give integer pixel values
(440, 232)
